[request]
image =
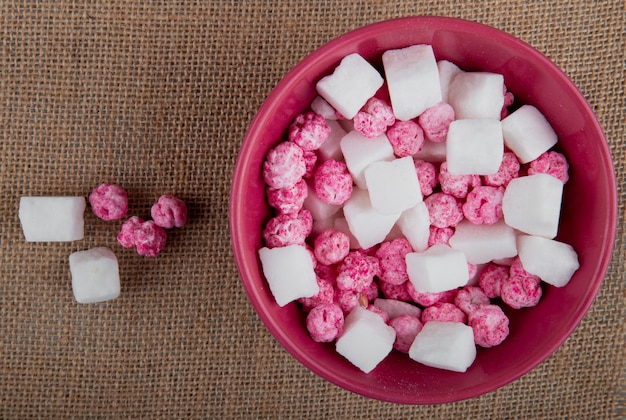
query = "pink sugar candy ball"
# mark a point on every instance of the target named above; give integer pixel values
(109, 202)
(126, 237)
(508, 170)
(440, 235)
(483, 205)
(290, 199)
(407, 327)
(396, 292)
(374, 118)
(551, 163)
(521, 289)
(448, 296)
(169, 212)
(371, 291)
(309, 131)
(326, 294)
(392, 263)
(310, 163)
(406, 138)
(326, 272)
(150, 239)
(332, 182)
(325, 322)
(427, 176)
(470, 298)
(284, 165)
(489, 324)
(444, 210)
(425, 299)
(456, 185)
(491, 278)
(331, 246)
(357, 271)
(347, 299)
(288, 229)
(436, 120)
(445, 312)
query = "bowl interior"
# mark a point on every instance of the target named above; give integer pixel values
(588, 218)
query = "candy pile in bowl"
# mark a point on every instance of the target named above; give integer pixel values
(423, 210)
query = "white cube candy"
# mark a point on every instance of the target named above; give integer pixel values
(369, 226)
(360, 151)
(528, 133)
(52, 219)
(323, 108)
(352, 83)
(289, 272)
(447, 73)
(393, 186)
(366, 340)
(532, 204)
(477, 95)
(394, 308)
(414, 224)
(341, 224)
(554, 262)
(444, 345)
(474, 146)
(95, 275)
(320, 210)
(331, 147)
(432, 151)
(437, 269)
(412, 80)
(484, 243)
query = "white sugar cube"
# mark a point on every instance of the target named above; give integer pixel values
(320, 210)
(444, 345)
(394, 308)
(368, 226)
(366, 339)
(532, 204)
(95, 275)
(438, 269)
(474, 146)
(414, 224)
(554, 262)
(528, 133)
(447, 73)
(477, 95)
(393, 186)
(412, 79)
(432, 151)
(331, 148)
(289, 273)
(360, 151)
(323, 108)
(52, 219)
(484, 243)
(352, 83)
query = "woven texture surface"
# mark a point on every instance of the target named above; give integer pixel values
(157, 96)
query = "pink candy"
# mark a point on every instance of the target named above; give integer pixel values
(326, 294)
(148, 237)
(397, 292)
(456, 185)
(169, 212)
(288, 229)
(406, 138)
(332, 182)
(407, 327)
(551, 163)
(491, 279)
(374, 118)
(290, 199)
(440, 235)
(109, 202)
(325, 322)
(310, 163)
(426, 175)
(423, 298)
(126, 237)
(470, 298)
(509, 169)
(309, 131)
(284, 165)
(357, 271)
(445, 312)
(436, 120)
(392, 263)
(489, 324)
(444, 210)
(347, 299)
(331, 246)
(520, 289)
(483, 205)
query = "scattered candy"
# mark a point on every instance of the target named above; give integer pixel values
(491, 279)
(484, 205)
(489, 324)
(331, 246)
(406, 138)
(284, 165)
(407, 327)
(392, 264)
(436, 120)
(52, 219)
(309, 131)
(127, 235)
(332, 182)
(95, 275)
(444, 210)
(288, 229)
(290, 199)
(325, 322)
(374, 119)
(470, 298)
(169, 212)
(456, 185)
(150, 239)
(441, 311)
(109, 202)
(427, 176)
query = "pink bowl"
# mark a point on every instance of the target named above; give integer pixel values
(588, 219)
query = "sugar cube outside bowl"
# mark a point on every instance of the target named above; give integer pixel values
(588, 217)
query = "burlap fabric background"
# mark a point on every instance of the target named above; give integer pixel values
(157, 96)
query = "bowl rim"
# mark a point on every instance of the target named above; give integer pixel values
(264, 114)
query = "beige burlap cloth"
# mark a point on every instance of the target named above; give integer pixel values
(157, 96)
